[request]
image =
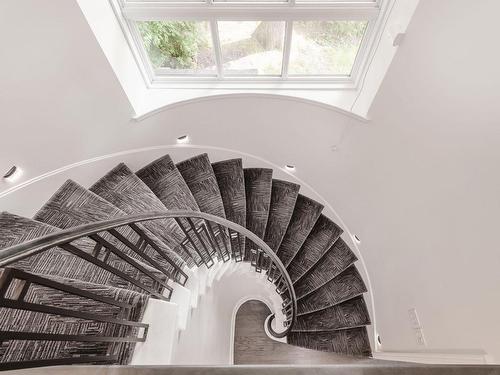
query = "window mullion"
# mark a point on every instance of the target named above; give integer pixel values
(217, 47)
(286, 48)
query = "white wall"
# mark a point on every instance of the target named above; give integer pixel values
(418, 184)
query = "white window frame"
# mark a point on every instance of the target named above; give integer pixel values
(128, 12)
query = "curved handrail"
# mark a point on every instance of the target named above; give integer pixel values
(37, 245)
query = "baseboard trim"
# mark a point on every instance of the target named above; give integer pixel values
(437, 357)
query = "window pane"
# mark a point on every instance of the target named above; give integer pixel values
(250, 1)
(325, 47)
(347, 2)
(164, 1)
(251, 47)
(179, 46)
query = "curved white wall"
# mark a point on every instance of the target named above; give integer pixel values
(418, 184)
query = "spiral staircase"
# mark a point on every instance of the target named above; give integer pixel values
(77, 277)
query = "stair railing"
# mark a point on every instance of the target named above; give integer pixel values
(206, 237)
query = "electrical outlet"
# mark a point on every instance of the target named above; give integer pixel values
(419, 336)
(414, 321)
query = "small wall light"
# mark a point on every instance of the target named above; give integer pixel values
(356, 239)
(290, 167)
(12, 174)
(183, 139)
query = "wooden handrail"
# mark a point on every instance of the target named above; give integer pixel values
(63, 237)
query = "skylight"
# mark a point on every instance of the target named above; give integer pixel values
(249, 40)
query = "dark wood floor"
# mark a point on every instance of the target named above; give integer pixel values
(252, 346)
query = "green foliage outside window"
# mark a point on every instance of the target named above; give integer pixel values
(187, 44)
(173, 44)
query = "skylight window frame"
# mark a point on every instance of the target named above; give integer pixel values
(129, 12)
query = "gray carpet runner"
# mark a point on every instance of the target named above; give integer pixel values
(199, 176)
(258, 199)
(231, 181)
(332, 313)
(283, 197)
(165, 180)
(66, 268)
(58, 262)
(125, 190)
(304, 216)
(348, 314)
(353, 341)
(73, 205)
(336, 260)
(323, 235)
(17, 229)
(345, 286)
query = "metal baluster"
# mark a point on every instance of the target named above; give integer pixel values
(16, 301)
(82, 254)
(253, 257)
(213, 239)
(258, 268)
(227, 255)
(140, 252)
(241, 242)
(112, 249)
(180, 275)
(190, 240)
(200, 239)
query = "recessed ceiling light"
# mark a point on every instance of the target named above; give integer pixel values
(356, 239)
(183, 139)
(12, 174)
(290, 167)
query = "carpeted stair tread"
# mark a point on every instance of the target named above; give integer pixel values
(258, 198)
(353, 341)
(165, 180)
(73, 205)
(58, 262)
(348, 314)
(305, 214)
(345, 286)
(283, 197)
(323, 235)
(16, 229)
(336, 260)
(231, 181)
(122, 188)
(200, 178)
